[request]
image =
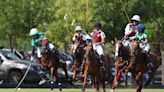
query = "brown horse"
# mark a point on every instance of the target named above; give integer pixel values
(92, 67)
(78, 56)
(50, 62)
(138, 65)
(108, 63)
(121, 59)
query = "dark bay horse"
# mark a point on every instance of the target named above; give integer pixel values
(78, 56)
(122, 56)
(138, 65)
(50, 62)
(92, 67)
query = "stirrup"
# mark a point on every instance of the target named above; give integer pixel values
(149, 71)
(150, 65)
(102, 68)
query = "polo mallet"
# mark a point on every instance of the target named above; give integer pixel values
(17, 87)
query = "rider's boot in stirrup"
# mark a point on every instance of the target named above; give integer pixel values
(102, 66)
(149, 63)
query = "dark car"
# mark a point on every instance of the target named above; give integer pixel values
(12, 69)
(66, 58)
(23, 55)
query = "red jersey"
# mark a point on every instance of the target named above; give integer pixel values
(98, 36)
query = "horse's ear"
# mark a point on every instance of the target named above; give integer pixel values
(115, 39)
(112, 42)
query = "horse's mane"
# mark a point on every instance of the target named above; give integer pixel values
(92, 54)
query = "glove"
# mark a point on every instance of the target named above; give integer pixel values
(86, 30)
(126, 37)
(140, 38)
(38, 40)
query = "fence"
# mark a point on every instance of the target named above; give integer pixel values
(162, 52)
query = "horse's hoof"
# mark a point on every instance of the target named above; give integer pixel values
(51, 90)
(112, 90)
(73, 78)
(82, 90)
(116, 84)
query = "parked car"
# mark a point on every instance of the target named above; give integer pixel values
(19, 53)
(158, 76)
(65, 58)
(12, 69)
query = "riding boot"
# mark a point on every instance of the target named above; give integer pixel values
(56, 53)
(102, 60)
(149, 63)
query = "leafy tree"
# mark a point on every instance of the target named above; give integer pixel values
(17, 17)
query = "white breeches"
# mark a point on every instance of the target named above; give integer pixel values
(39, 52)
(145, 47)
(126, 43)
(98, 49)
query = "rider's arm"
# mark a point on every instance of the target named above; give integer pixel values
(127, 29)
(73, 39)
(145, 37)
(133, 37)
(146, 41)
(103, 37)
(39, 39)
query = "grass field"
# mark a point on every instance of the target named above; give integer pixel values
(75, 90)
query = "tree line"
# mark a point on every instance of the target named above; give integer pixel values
(58, 18)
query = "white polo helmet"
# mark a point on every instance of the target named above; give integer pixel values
(136, 18)
(78, 28)
(33, 31)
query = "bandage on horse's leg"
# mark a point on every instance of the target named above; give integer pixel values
(85, 77)
(52, 78)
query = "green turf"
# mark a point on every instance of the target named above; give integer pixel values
(75, 90)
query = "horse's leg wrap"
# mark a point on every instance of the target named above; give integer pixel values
(113, 88)
(147, 82)
(137, 88)
(60, 86)
(52, 85)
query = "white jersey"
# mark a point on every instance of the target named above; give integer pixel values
(78, 37)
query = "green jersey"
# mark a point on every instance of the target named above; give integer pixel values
(141, 37)
(37, 41)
